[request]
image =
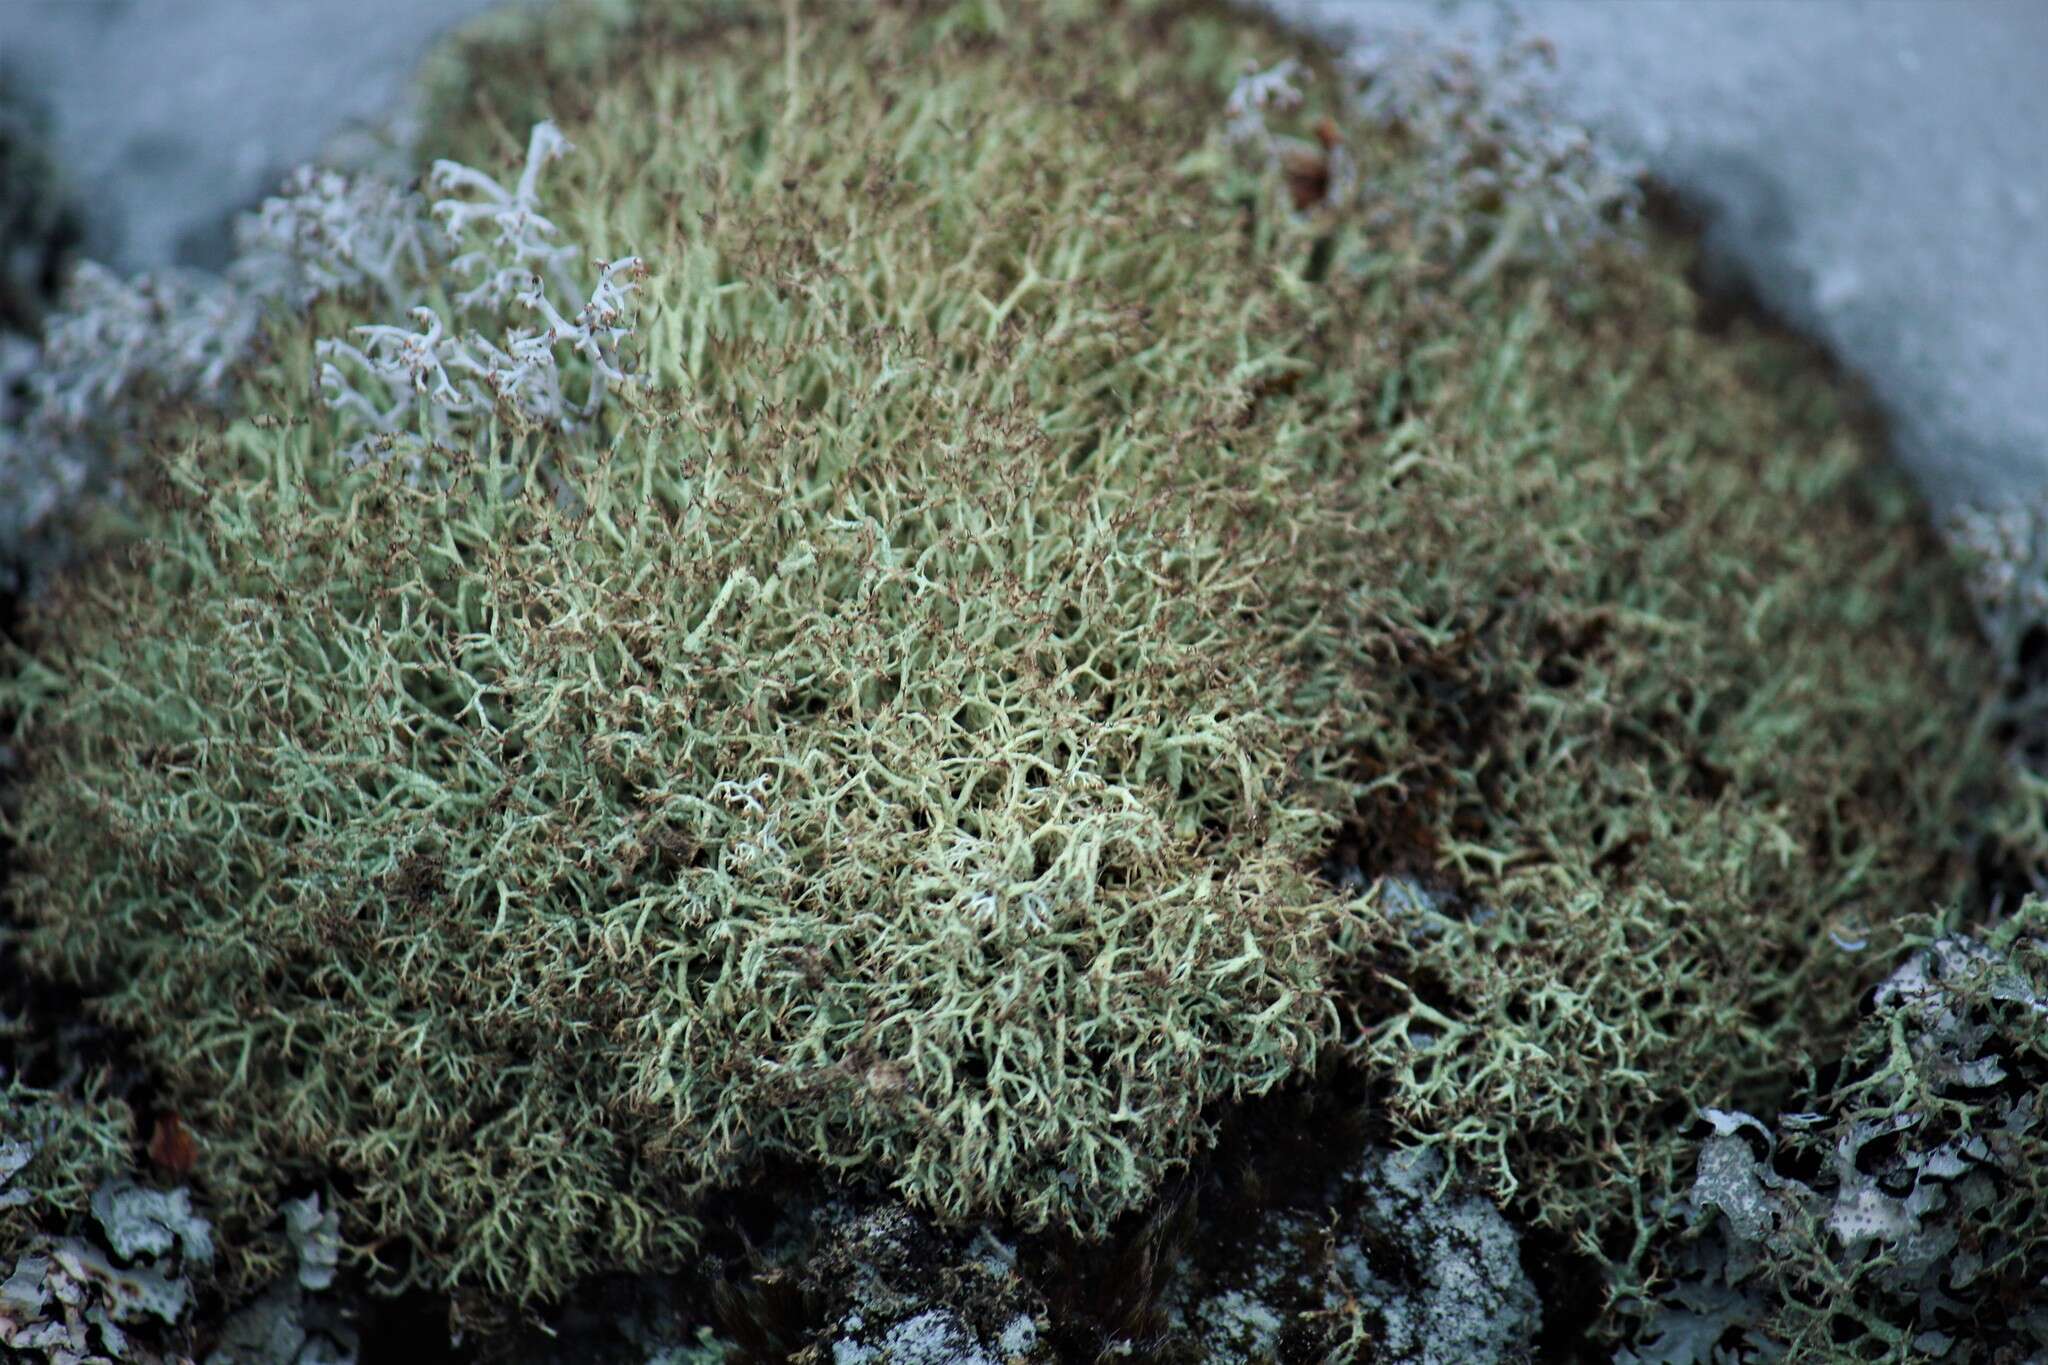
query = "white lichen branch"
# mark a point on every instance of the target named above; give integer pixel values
(437, 376)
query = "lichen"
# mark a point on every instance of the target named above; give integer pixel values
(110, 1293)
(1032, 548)
(1383, 1264)
(867, 1280)
(1899, 1212)
(910, 725)
(56, 1148)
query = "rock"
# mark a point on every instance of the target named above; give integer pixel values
(218, 100)
(1388, 1269)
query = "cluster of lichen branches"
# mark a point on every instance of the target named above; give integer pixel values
(1030, 547)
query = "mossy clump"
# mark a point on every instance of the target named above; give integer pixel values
(905, 731)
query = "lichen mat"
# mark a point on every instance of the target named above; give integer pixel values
(865, 662)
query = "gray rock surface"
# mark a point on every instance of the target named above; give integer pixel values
(169, 116)
(152, 125)
(1877, 172)
(1426, 1276)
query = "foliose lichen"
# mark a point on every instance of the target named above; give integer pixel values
(77, 1298)
(1901, 1215)
(864, 1284)
(55, 1149)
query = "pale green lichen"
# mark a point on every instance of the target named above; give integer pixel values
(1032, 545)
(55, 1149)
(904, 762)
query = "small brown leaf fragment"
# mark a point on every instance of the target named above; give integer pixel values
(172, 1146)
(1308, 171)
(1308, 178)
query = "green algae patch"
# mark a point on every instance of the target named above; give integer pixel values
(905, 728)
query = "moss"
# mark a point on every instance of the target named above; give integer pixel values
(916, 753)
